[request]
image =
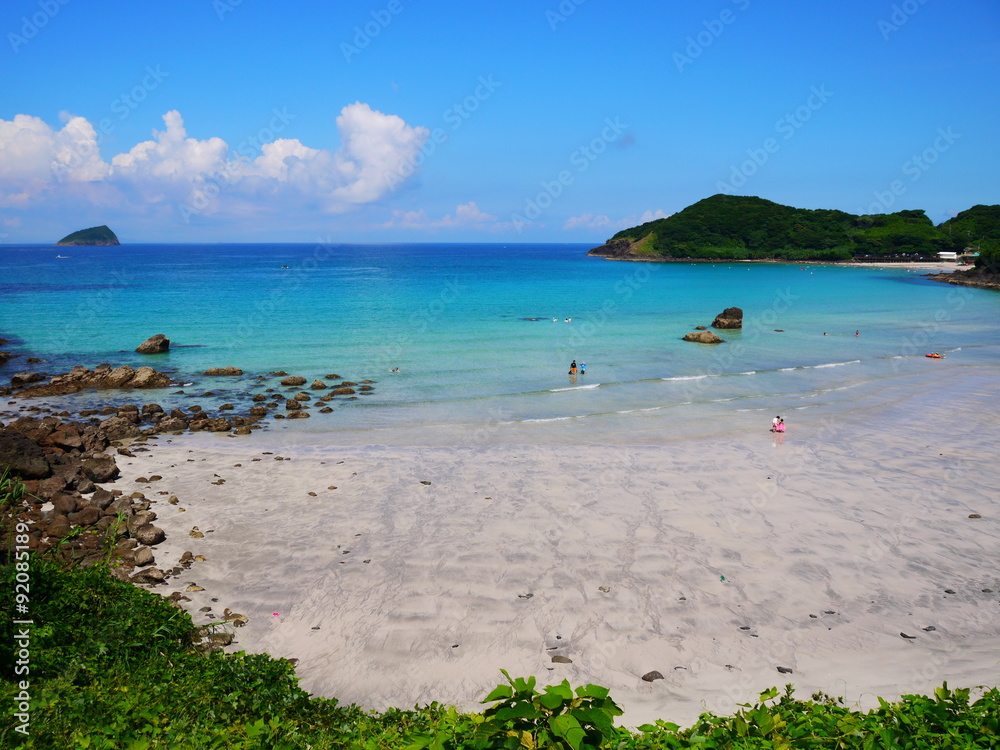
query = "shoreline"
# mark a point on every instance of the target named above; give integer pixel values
(939, 266)
(406, 577)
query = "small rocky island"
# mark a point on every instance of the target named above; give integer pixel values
(101, 235)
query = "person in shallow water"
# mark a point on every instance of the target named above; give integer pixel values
(780, 427)
(583, 368)
(774, 424)
(572, 368)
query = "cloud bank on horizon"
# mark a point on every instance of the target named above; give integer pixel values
(175, 172)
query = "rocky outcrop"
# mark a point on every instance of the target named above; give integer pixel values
(703, 337)
(101, 377)
(154, 345)
(293, 380)
(617, 249)
(731, 317)
(224, 371)
(625, 248)
(25, 378)
(975, 277)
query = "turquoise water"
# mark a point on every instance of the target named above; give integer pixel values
(483, 334)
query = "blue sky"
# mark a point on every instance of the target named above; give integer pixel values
(402, 120)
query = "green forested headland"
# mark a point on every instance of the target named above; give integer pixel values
(101, 235)
(733, 227)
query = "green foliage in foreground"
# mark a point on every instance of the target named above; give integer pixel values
(114, 666)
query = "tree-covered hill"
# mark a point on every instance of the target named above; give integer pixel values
(101, 235)
(744, 227)
(978, 228)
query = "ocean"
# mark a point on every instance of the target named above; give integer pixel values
(483, 335)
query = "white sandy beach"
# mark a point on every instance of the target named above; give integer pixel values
(430, 568)
(938, 267)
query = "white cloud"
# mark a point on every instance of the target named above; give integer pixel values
(172, 156)
(601, 221)
(653, 215)
(587, 221)
(376, 154)
(466, 215)
(34, 157)
(375, 149)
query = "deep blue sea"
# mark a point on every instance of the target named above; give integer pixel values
(483, 335)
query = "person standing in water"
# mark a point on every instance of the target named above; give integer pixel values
(572, 368)
(583, 368)
(774, 424)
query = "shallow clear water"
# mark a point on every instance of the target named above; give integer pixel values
(481, 337)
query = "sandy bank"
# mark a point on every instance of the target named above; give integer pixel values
(926, 266)
(427, 568)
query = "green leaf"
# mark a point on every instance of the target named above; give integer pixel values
(550, 700)
(563, 690)
(517, 711)
(569, 729)
(593, 691)
(499, 692)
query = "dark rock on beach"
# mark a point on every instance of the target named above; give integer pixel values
(100, 468)
(59, 462)
(154, 345)
(22, 456)
(118, 428)
(293, 380)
